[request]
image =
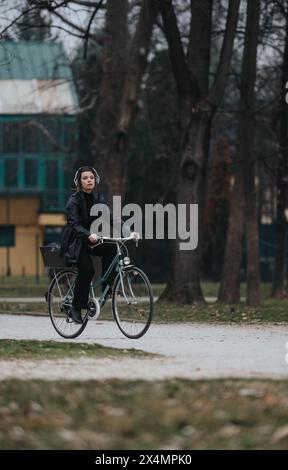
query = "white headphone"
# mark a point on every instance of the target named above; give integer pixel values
(87, 168)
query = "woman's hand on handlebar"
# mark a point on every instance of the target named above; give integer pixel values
(135, 235)
(93, 238)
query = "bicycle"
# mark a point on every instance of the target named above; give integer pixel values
(132, 296)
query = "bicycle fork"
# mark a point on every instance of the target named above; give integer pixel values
(129, 287)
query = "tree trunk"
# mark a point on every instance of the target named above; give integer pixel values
(279, 284)
(137, 64)
(184, 286)
(218, 191)
(230, 283)
(197, 109)
(243, 207)
(103, 148)
(248, 89)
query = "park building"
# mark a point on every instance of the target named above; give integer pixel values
(38, 141)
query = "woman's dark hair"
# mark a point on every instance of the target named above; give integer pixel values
(77, 177)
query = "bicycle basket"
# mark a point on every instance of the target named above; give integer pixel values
(51, 257)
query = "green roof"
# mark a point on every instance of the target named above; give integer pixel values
(33, 60)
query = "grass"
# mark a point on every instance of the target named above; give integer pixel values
(211, 289)
(173, 414)
(29, 286)
(18, 286)
(39, 350)
(26, 286)
(29, 308)
(270, 311)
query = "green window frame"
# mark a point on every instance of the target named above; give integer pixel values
(31, 173)
(11, 172)
(7, 235)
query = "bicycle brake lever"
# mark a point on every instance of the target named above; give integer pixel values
(100, 240)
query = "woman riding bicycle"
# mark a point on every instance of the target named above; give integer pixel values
(76, 247)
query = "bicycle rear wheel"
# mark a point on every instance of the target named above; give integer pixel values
(132, 302)
(60, 297)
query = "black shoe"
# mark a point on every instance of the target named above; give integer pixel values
(76, 315)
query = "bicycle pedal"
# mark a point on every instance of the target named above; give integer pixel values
(69, 318)
(93, 309)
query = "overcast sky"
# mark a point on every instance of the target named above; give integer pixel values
(9, 11)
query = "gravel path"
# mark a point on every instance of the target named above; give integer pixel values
(187, 351)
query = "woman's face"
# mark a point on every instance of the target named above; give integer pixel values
(87, 181)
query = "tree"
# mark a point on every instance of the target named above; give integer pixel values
(153, 158)
(115, 45)
(34, 25)
(198, 104)
(123, 64)
(215, 210)
(281, 125)
(243, 203)
(87, 74)
(123, 67)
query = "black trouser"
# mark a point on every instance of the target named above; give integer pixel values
(86, 271)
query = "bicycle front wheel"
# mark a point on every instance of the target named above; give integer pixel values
(60, 297)
(132, 302)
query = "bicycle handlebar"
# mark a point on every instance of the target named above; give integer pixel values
(119, 239)
(111, 239)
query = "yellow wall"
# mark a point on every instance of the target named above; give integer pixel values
(22, 211)
(25, 257)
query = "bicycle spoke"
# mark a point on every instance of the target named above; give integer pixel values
(60, 301)
(133, 303)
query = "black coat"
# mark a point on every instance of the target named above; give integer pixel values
(76, 230)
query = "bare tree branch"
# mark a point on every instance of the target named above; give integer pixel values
(89, 26)
(176, 51)
(89, 106)
(137, 64)
(23, 13)
(199, 46)
(217, 90)
(47, 134)
(282, 8)
(73, 25)
(86, 4)
(52, 8)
